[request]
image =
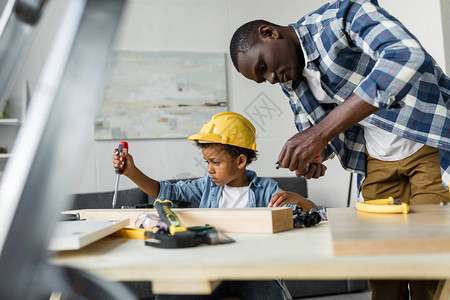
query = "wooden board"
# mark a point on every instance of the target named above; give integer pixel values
(235, 220)
(425, 229)
(73, 235)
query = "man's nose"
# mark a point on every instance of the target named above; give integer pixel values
(271, 77)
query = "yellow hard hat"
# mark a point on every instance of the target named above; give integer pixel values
(228, 128)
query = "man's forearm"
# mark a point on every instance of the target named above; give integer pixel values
(344, 116)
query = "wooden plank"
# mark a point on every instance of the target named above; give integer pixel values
(73, 235)
(235, 220)
(425, 229)
(189, 287)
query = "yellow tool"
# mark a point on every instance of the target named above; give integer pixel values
(168, 216)
(131, 233)
(383, 206)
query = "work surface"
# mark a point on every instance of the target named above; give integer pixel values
(304, 253)
(425, 229)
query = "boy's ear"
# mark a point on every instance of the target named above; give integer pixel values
(242, 161)
(268, 32)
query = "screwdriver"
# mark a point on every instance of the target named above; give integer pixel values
(123, 147)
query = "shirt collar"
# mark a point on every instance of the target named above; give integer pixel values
(254, 179)
(306, 42)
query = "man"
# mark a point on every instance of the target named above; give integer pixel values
(362, 88)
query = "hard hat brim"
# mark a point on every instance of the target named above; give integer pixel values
(212, 138)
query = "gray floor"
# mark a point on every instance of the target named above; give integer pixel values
(355, 296)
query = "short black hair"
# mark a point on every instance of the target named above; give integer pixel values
(234, 151)
(245, 37)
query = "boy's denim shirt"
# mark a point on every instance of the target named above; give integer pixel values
(206, 192)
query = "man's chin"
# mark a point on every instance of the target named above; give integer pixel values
(296, 75)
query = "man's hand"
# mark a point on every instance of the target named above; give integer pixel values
(312, 170)
(300, 153)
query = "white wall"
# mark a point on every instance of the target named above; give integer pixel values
(445, 17)
(203, 25)
(423, 19)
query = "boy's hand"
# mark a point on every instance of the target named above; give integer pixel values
(283, 197)
(119, 161)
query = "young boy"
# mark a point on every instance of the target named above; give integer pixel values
(228, 145)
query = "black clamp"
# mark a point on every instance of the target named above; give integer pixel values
(306, 219)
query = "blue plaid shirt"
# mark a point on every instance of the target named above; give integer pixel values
(359, 48)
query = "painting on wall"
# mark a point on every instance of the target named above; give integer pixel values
(152, 95)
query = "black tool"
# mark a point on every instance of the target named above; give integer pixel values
(306, 219)
(178, 236)
(182, 239)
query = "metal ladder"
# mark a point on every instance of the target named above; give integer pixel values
(38, 176)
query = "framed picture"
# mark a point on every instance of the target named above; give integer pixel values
(151, 95)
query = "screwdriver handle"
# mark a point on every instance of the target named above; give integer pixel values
(123, 147)
(168, 216)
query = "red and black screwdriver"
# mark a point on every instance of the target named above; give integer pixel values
(123, 147)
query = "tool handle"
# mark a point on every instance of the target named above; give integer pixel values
(123, 147)
(168, 216)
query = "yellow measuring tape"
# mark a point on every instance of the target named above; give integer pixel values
(383, 206)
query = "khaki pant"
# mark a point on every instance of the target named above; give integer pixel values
(413, 180)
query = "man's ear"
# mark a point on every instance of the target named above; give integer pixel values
(268, 32)
(242, 161)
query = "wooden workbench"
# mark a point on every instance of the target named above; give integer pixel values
(425, 229)
(304, 253)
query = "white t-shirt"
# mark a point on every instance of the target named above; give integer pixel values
(234, 197)
(380, 144)
(387, 146)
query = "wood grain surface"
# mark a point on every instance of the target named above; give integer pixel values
(425, 229)
(301, 253)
